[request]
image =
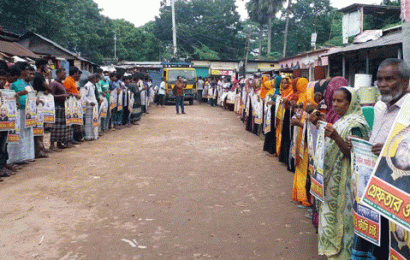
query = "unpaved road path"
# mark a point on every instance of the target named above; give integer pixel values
(195, 186)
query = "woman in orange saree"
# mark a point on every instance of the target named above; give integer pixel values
(285, 91)
(299, 192)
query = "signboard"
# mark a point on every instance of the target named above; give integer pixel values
(352, 25)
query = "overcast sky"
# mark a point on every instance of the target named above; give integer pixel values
(140, 12)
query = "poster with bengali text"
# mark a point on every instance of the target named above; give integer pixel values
(14, 135)
(8, 110)
(317, 188)
(31, 110)
(366, 221)
(399, 242)
(388, 190)
(49, 112)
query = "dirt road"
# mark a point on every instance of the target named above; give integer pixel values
(195, 186)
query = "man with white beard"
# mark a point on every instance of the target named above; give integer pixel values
(393, 81)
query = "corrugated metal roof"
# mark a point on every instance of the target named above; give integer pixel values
(29, 34)
(58, 46)
(15, 49)
(392, 39)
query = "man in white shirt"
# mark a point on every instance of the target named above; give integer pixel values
(393, 81)
(200, 88)
(161, 93)
(91, 132)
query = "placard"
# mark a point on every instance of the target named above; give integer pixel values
(8, 110)
(366, 221)
(31, 110)
(317, 188)
(388, 191)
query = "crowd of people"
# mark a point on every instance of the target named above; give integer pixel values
(111, 101)
(281, 108)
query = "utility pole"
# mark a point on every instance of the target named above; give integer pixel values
(115, 46)
(174, 28)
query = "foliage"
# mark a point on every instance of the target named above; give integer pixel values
(79, 26)
(214, 24)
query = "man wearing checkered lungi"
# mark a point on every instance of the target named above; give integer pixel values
(60, 132)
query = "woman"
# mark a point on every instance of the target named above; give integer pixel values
(285, 91)
(23, 151)
(299, 192)
(335, 213)
(270, 137)
(334, 84)
(290, 104)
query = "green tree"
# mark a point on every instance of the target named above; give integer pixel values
(213, 24)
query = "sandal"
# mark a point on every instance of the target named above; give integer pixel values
(12, 167)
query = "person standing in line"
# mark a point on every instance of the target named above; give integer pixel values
(200, 89)
(60, 132)
(71, 86)
(393, 81)
(179, 93)
(161, 93)
(23, 151)
(3, 135)
(91, 132)
(42, 87)
(143, 92)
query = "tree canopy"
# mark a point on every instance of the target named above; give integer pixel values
(206, 29)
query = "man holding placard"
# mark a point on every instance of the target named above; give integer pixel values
(392, 80)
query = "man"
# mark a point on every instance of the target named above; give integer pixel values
(41, 87)
(200, 88)
(161, 93)
(70, 83)
(179, 93)
(23, 151)
(143, 92)
(60, 132)
(91, 132)
(392, 80)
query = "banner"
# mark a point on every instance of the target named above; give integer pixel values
(95, 116)
(258, 111)
(31, 110)
(83, 93)
(267, 126)
(104, 109)
(14, 135)
(317, 189)
(311, 140)
(68, 104)
(49, 111)
(120, 104)
(131, 101)
(399, 242)
(38, 129)
(113, 99)
(8, 110)
(388, 191)
(366, 221)
(77, 108)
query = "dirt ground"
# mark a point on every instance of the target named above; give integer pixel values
(194, 186)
